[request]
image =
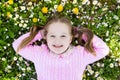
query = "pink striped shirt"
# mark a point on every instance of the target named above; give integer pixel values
(52, 67)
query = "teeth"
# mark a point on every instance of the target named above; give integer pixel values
(57, 46)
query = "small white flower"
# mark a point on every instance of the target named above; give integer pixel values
(7, 37)
(88, 74)
(118, 7)
(16, 15)
(96, 74)
(116, 64)
(64, 0)
(19, 32)
(15, 58)
(23, 74)
(92, 12)
(9, 71)
(3, 59)
(31, 16)
(28, 28)
(32, 7)
(21, 17)
(28, 8)
(119, 22)
(74, 1)
(99, 4)
(84, 1)
(100, 78)
(88, 2)
(19, 75)
(20, 25)
(5, 47)
(16, 23)
(118, 1)
(28, 68)
(98, 64)
(116, 48)
(83, 22)
(102, 65)
(20, 58)
(105, 24)
(26, 21)
(107, 39)
(111, 65)
(93, 23)
(30, 3)
(104, 9)
(46, 0)
(95, 2)
(116, 17)
(91, 72)
(107, 33)
(9, 67)
(15, 18)
(24, 25)
(22, 21)
(17, 64)
(6, 29)
(118, 59)
(55, 7)
(3, 14)
(89, 67)
(15, 9)
(22, 8)
(23, 69)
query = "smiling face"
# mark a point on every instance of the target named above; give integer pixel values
(58, 37)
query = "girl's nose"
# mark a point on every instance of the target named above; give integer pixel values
(57, 40)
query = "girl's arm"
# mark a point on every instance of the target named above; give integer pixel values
(28, 51)
(100, 48)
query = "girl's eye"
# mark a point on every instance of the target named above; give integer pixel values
(63, 36)
(52, 36)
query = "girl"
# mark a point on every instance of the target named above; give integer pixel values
(58, 58)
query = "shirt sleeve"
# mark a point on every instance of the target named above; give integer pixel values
(100, 48)
(29, 51)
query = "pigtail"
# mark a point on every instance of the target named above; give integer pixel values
(84, 38)
(33, 31)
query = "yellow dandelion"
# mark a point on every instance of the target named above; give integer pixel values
(60, 8)
(10, 1)
(8, 14)
(44, 10)
(35, 20)
(75, 11)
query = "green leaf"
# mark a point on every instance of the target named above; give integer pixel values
(0, 22)
(11, 34)
(2, 42)
(41, 16)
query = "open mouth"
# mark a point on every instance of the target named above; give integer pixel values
(57, 46)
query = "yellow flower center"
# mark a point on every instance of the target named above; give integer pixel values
(8, 14)
(35, 20)
(44, 10)
(10, 1)
(60, 8)
(75, 11)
